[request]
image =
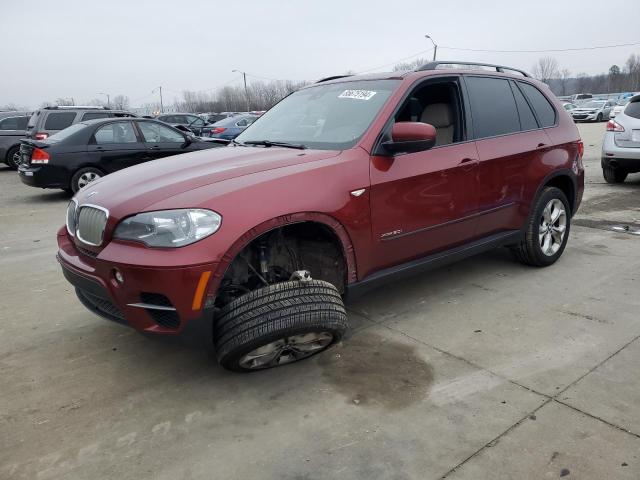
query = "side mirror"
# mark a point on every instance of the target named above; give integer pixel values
(410, 137)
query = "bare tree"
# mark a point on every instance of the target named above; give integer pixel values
(405, 66)
(632, 68)
(545, 69)
(563, 77)
(120, 102)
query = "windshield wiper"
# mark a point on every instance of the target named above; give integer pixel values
(269, 143)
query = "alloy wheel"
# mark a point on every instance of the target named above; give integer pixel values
(86, 178)
(286, 350)
(552, 228)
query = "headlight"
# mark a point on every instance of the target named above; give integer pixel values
(169, 228)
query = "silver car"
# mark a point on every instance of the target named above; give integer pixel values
(621, 145)
(593, 111)
(618, 108)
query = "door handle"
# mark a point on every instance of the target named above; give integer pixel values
(541, 145)
(155, 147)
(466, 160)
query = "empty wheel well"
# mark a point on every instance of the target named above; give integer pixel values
(564, 183)
(275, 255)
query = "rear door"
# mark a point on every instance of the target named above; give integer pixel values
(161, 140)
(115, 146)
(509, 140)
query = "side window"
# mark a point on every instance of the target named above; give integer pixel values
(59, 120)
(436, 103)
(195, 121)
(493, 107)
(242, 123)
(94, 115)
(10, 123)
(156, 133)
(544, 111)
(120, 132)
(527, 118)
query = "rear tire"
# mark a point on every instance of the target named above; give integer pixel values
(279, 324)
(614, 175)
(84, 177)
(599, 118)
(547, 229)
(13, 158)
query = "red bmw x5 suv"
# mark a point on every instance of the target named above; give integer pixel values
(343, 185)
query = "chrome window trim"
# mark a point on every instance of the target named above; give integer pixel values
(75, 214)
(98, 207)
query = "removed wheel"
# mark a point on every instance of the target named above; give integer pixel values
(84, 177)
(547, 229)
(279, 324)
(13, 157)
(614, 175)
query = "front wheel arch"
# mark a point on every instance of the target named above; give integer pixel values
(327, 221)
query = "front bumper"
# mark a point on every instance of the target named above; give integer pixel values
(151, 299)
(585, 117)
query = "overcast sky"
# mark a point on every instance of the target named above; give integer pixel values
(67, 48)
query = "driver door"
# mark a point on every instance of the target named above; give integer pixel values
(161, 140)
(425, 201)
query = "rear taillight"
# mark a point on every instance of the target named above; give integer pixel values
(613, 126)
(41, 135)
(218, 130)
(580, 149)
(39, 156)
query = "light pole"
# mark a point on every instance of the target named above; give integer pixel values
(160, 89)
(435, 47)
(108, 99)
(246, 92)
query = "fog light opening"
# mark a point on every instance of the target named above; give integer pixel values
(117, 274)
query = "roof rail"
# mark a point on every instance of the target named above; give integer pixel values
(335, 77)
(72, 107)
(499, 68)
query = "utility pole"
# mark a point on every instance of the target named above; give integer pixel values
(108, 99)
(246, 92)
(160, 89)
(435, 47)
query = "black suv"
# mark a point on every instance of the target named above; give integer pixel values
(49, 120)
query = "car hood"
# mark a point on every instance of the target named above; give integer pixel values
(584, 109)
(137, 188)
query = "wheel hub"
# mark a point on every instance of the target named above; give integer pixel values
(552, 228)
(286, 350)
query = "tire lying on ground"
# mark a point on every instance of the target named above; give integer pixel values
(279, 324)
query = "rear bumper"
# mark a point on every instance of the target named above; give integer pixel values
(616, 156)
(156, 300)
(44, 176)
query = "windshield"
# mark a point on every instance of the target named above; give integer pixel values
(327, 117)
(66, 133)
(592, 104)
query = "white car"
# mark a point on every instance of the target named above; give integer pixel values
(593, 111)
(619, 107)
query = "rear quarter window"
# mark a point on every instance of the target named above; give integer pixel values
(493, 107)
(544, 110)
(633, 110)
(59, 120)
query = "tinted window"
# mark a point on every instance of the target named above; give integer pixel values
(14, 123)
(492, 106)
(527, 119)
(94, 115)
(155, 132)
(545, 112)
(193, 120)
(59, 120)
(633, 110)
(121, 132)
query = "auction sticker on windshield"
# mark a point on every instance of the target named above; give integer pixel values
(357, 94)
